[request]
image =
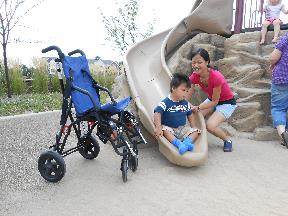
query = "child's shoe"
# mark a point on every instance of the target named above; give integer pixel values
(189, 143)
(181, 146)
(227, 146)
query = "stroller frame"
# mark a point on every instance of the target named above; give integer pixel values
(122, 132)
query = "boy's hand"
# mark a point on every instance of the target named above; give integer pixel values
(158, 132)
(195, 108)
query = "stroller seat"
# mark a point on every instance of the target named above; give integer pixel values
(77, 71)
(117, 107)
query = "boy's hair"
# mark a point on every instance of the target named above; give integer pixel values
(179, 79)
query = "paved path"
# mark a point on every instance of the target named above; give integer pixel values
(250, 181)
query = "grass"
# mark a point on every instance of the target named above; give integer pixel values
(33, 103)
(27, 103)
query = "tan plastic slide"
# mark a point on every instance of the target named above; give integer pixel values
(149, 76)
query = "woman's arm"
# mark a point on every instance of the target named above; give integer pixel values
(275, 57)
(215, 99)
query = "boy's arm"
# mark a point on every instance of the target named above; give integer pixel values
(157, 123)
(191, 120)
(157, 119)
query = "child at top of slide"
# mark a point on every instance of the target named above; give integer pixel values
(272, 13)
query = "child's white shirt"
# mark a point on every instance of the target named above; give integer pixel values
(273, 11)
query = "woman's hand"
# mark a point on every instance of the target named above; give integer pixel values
(158, 132)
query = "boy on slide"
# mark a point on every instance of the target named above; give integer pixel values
(171, 114)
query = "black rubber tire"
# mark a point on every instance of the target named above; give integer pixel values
(51, 166)
(124, 169)
(91, 147)
(133, 163)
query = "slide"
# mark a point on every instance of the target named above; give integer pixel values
(149, 76)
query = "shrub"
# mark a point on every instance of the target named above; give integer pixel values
(105, 81)
(18, 85)
(55, 84)
(40, 81)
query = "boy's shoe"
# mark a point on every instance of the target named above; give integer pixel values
(227, 146)
(188, 142)
(181, 146)
(284, 136)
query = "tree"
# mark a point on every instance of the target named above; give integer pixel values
(123, 30)
(11, 13)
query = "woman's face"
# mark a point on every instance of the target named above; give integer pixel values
(199, 65)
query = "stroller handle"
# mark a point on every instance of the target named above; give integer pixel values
(50, 48)
(76, 51)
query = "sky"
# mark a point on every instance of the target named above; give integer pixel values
(72, 24)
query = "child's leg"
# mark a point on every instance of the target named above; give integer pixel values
(189, 141)
(176, 142)
(276, 24)
(190, 135)
(169, 136)
(265, 25)
(194, 136)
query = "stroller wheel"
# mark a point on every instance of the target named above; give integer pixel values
(51, 166)
(89, 148)
(124, 169)
(133, 163)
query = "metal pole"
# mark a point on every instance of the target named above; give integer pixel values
(261, 10)
(238, 16)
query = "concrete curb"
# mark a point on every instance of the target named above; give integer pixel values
(4, 118)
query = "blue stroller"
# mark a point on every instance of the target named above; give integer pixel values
(112, 121)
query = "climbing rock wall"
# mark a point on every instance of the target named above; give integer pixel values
(245, 64)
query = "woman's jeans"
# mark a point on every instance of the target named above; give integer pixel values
(279, 104)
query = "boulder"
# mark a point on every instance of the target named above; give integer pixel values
(266, 134)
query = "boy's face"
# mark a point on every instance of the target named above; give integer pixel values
(199, 65)
(181, 92)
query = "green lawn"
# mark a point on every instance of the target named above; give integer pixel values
(26, 103)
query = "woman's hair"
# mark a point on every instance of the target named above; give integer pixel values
(203, 53)
(179, 79)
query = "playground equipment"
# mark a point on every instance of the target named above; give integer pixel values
(149, 76)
